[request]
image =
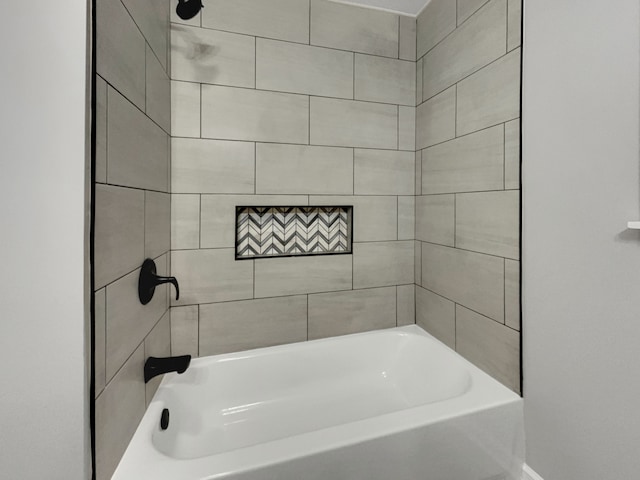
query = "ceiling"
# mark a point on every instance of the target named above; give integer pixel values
(405, 7)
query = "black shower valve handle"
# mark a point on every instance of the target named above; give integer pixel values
(148, 282)
(160, 280)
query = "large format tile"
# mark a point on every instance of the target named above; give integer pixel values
(128, 321)
(157, 344)
(158, 94)
(375, 218)
(298, 275)
(218, 216)
(290, 67)
(185, 109)
(184, 330)
(185, 221)
(101, 130)
(488, 222)
(384, 172)
(406, 308)
(436, 315)
(137, 148)
(234, 326)
(280, 19)
(120, 51)
(436, 21)
(348, 123)
(211, 166)
(512, 294)
(379, 264)
(489, 345)
(355, 311)
(119, 410)
(417, 262)
(477, 42)
(301, 169)
(512, 154)
(419, 82)
(100, 330)
(408, 38)
(436, 119)
(119, 232)
(387, 80)
(467, 164)
(490, 96)
(208, 56)
(208, 276)
(468, 278)
(435, 219)
(466, 8)
(245, 114)
(407, 128)
(406, 217)
(418, 172)
(157, 224)
(348, 27)
(152, 18)
(514, 26)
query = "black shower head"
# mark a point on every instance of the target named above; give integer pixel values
(187, 9)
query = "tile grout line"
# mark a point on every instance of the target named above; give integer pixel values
(469, 75)
(396, 305)
(506, 40)
(397, 127)
(309, 122)
(399, 36)
(504, 289)
(465, 134)
(109, 85)
(360, 147)
(467, 308)
(457, 26)
(288, 295)
(307, 316)
(303, 44)
(455, 113)
(464, 250)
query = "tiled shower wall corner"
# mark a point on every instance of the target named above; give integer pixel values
(132, 213)
(290, 102)
(467, 203)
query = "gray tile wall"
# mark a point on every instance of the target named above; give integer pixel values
(297, 102)
(467, 180)
(133, 209)
(291, 102)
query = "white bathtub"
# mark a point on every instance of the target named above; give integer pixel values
(386, 405)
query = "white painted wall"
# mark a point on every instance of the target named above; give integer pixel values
(44, 392)
(581, 267)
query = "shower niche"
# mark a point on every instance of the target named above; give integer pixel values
(267, 231)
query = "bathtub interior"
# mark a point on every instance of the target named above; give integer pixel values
(234, 401)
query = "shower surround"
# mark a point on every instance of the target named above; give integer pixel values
(290, 103)
(467, 202)
(298, 102)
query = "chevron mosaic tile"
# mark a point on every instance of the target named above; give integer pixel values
(292, 231)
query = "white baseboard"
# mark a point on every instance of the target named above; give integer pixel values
(529, 474)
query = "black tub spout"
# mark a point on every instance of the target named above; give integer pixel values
(157, 366)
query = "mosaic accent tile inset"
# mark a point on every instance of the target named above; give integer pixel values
(291, 231)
